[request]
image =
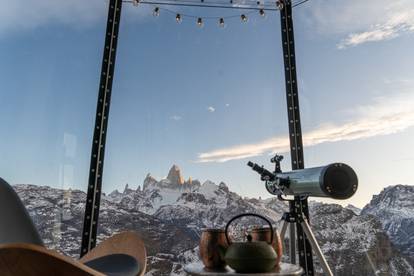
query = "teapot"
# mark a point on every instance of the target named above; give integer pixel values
(250, 256)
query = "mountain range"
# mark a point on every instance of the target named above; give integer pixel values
(170, 214)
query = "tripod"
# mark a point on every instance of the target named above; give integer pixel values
(293, 218)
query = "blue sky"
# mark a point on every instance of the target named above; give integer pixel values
(207, 99)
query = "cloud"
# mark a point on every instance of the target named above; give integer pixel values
(176, 117)
(211, 109)
(398, 24)
(359, 21)
(386, 115)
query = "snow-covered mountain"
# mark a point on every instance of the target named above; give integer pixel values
(170, 213)
(354, 209)
(394, 207)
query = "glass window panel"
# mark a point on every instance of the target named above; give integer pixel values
(191, 106)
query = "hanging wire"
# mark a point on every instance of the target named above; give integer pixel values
(205, 17)
(300, 3)
(251, 5)
(240, 6)
(232, 3)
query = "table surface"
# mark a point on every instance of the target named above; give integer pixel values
(284, 270)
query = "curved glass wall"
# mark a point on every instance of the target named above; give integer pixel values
(192, 105)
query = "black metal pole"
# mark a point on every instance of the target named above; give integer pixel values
(90, 224)
(299, 205)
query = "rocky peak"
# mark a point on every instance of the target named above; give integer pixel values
(394, 207)
(223, 187)
(174, 176)
(148, 181)
(114, 193)
(354, 209)
(397, 196)
(127, 190)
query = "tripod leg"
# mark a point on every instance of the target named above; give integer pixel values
(308, 232)
(292, 246)
(283, 231)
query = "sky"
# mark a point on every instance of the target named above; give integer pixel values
(207, 99)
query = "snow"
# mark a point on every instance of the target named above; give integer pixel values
(345, 236)
(208, 189)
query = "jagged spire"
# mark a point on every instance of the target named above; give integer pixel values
(149, 180)
(126, 188)
(174, 175)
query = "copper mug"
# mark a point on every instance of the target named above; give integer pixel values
(210, 243)
(264, 234)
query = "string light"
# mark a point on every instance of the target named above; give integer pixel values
(262, 13)
(178, 18)
(221, 23)
(156, 12)
(279, 4)
(273, 5)
(261, 5)
(200, 22)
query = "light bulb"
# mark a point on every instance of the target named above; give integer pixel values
(262, 13)
(221, 23)
(178, 18)
(200, 22)
(244, 18)
(156, 12)
(279, 4)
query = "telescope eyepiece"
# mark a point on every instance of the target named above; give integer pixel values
(264, 174)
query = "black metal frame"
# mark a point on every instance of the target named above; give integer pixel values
(93, 198)
(298, 205)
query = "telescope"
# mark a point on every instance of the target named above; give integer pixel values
(337, 181)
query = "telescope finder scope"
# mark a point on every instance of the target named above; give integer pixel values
(265, 174)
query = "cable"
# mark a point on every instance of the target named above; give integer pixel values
(300, 3)
(204, 17)
(224, 3)
(202, 5)
(253, 6)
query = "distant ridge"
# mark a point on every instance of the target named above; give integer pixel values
(170, 218)
(394, 207)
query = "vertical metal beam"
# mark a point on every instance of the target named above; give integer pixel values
(295, 131)
(90, 224)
